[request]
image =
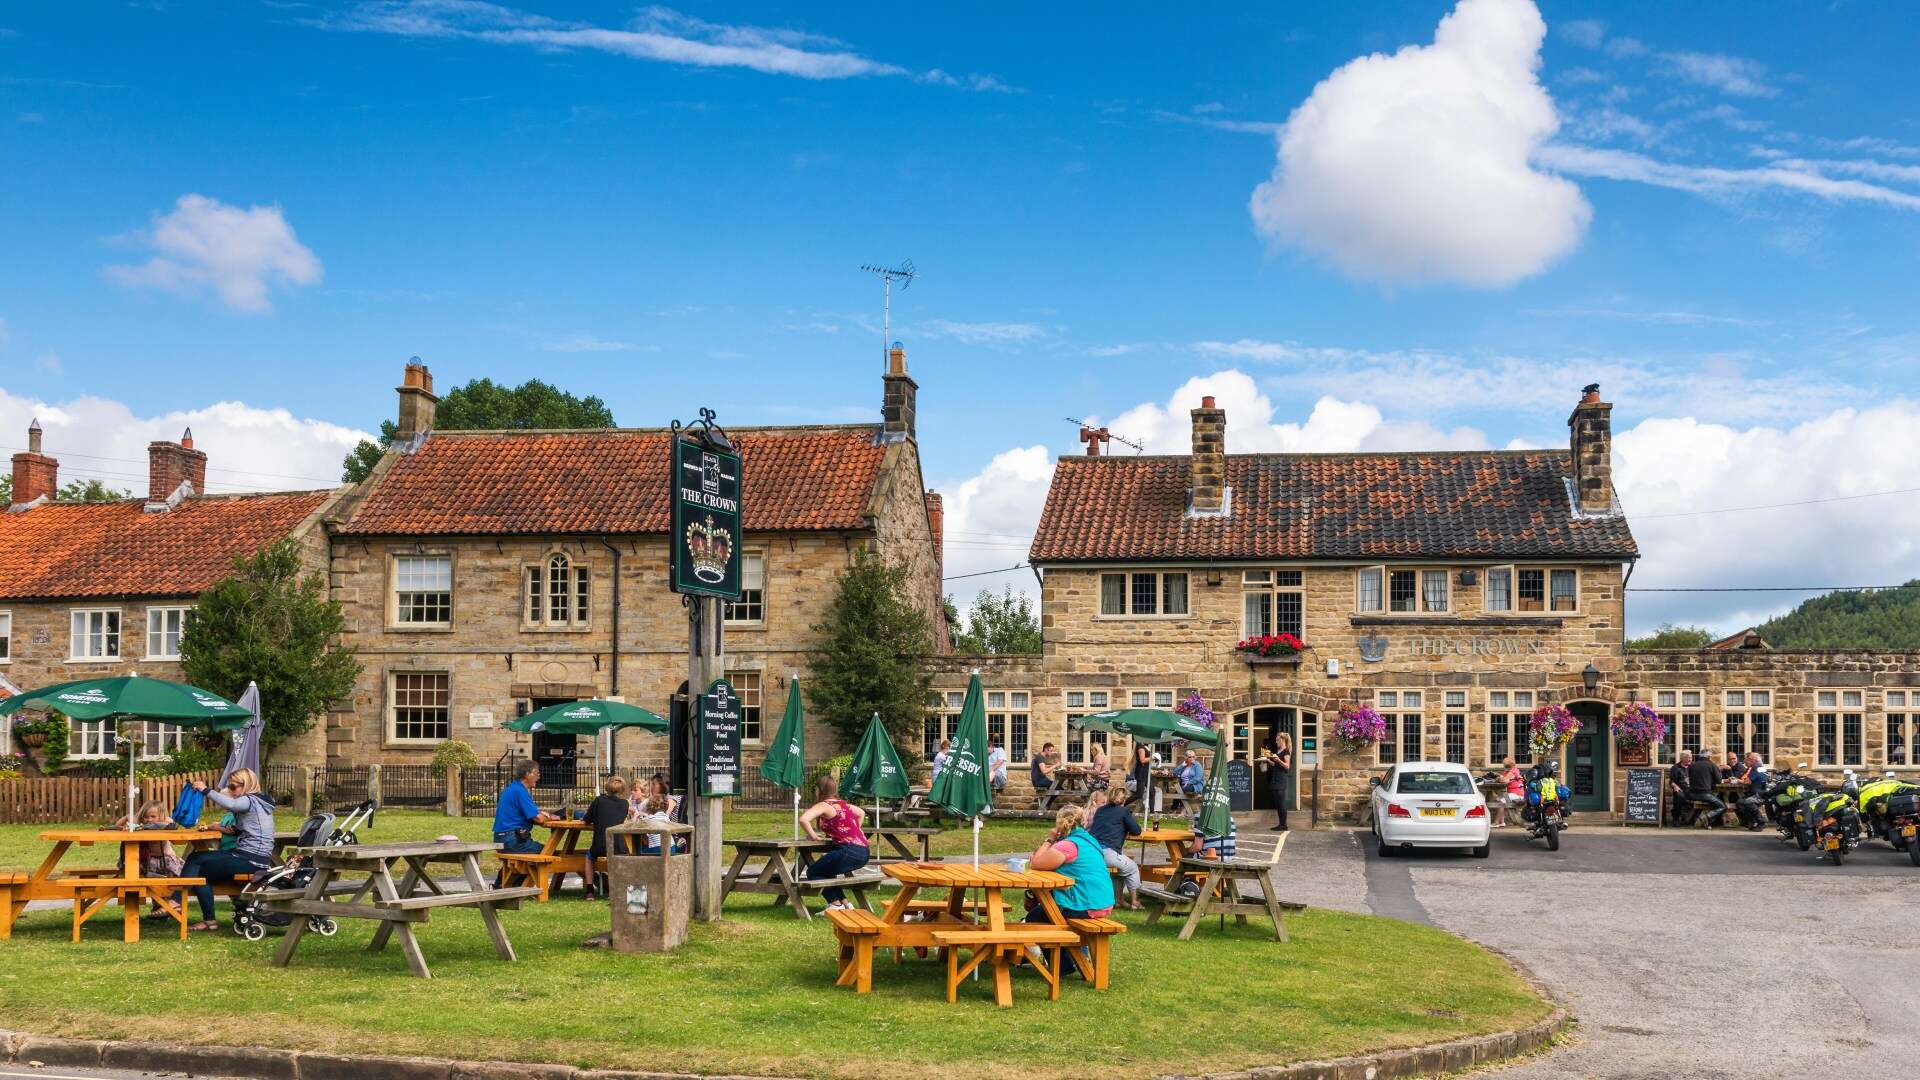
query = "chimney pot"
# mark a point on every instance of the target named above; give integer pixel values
(1207, 402)
(186, 439)
(898, 394)
(170, 464)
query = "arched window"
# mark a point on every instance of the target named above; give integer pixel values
(557, 592)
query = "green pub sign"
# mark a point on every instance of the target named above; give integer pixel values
(719, 745)
(706, 520)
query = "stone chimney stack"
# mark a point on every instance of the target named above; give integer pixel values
(1207, 469)
(170, 464)
(417, 401)
(896, 406)
(936, 522)
(1590, 439)
(34, 473)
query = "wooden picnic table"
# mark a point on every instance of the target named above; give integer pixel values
(898, 837)
(395, 907)
(1177, 841)
(559, 855)
(1067, 780)
(782, 872)
(982, 927)
(1220, 882)
(92, 888)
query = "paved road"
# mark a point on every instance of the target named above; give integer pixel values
(1684, 954)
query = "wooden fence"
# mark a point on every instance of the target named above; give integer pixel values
(63, 799)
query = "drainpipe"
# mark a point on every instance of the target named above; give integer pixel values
(613, 740)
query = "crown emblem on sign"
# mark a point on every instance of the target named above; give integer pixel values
(711, 548)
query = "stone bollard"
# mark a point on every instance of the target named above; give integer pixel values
(456, 791)
(303, 792)
(651, 895)
(373, 785)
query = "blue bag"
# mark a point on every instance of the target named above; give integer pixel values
(186, 812)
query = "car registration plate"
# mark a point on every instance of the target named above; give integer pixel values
(1907, 830)
(1833, 843)
(1436, 811)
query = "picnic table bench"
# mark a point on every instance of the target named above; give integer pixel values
(1067, 780)
(547, 869)
(1219, 883)
(785, 878)
(1177, 841)
(395, 907)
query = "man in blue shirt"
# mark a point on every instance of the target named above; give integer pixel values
(516, 815)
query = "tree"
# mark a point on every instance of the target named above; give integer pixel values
(1851, 619)
(274, 624)
(869, 660)
(77, 491)
(1669, 636)
(486, 405)
(999, 624)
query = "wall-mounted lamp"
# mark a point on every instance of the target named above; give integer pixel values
(1591, 677)
(1213, 577)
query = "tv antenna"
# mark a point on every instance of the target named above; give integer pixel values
(1094, 436)
(904, 274)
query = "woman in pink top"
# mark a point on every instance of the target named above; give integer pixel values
(1516, 791)
(840, 821)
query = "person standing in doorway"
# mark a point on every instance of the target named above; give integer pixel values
(1278, 759)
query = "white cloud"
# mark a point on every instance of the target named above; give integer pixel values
(1333, 424)
(248, 448)
(986, 84)
(990, 518)
(1735, 75)
(1623, 47)
(1209, 107)
(1586, 33)
(589, 343)
(1675, 466)
(238, 253)
(1717, 181)
(981, 333)
(1416, 166)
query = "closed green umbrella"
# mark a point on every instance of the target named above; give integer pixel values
(134, 698)
(962, 787)
(786, 764)
(875, 771)
(1216, 803)
(1149, 725)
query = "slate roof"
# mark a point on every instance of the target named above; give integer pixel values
(78, 550)
(501, 483)
(1451, 504)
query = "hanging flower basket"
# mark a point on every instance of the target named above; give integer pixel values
(1638, 727)
(1271, 649)
(1552, 727)
(33, 739)
(1357, 728)
(1194, 707)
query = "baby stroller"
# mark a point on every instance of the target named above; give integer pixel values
(250, 916)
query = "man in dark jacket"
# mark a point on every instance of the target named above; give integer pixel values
(1752, 809)
(1702, 777)
(1678, 784)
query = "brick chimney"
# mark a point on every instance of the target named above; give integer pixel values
(1590, 440)
(170, 464)
(896, 405)
(1207, 468)
(34, 473)
(936, 521)
(417, 401)
(1095, 438)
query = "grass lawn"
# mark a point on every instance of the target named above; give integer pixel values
(755, 994)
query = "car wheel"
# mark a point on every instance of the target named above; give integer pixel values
(1483, 850)
(1387, 851)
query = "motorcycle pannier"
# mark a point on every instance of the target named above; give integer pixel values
(1907, 805)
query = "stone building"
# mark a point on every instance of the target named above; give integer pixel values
(488, 573)
(90, 590)
(1453, 591)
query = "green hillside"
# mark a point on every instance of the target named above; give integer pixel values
(1888, 619)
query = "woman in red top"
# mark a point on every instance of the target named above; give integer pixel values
(840, 821)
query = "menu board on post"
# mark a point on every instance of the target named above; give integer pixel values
(1240, 785)
(719, 740)
(1644, 795)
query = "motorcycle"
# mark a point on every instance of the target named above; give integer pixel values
(1903, 822)
(1546, 813)
(1835, 818)
(1785, 801)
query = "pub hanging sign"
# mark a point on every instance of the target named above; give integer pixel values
(705, 530)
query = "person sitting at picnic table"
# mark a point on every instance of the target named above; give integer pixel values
(1193, 779)
(1099, 773)
(1734, 769)
(609, 808)
(1042, 767)
(1515, 794)
(996, 765)
(1071, 850)
(1217, 847)
(515, 817)
(1702, 777)
(940, 759)
(1678, 782)
(253, 813)
(1111, 825)
(1752, 807)
(157, 859)
(840, 820)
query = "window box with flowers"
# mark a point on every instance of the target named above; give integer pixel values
(1271, 649)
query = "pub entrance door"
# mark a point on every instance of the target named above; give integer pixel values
(1252, 731)
(557, 755)
(1588, 770)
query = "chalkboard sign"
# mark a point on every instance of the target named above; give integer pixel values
(1240, 785)
(1645, 790)
(719, 740)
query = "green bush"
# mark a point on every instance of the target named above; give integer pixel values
(454, 752)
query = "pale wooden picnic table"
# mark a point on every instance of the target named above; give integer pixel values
(783, 870)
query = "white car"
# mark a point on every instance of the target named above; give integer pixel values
(1429, 804)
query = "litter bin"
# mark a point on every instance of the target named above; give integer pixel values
(651, 894)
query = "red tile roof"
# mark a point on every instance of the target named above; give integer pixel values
(74, 550)
(586, 482)
(1469, 504)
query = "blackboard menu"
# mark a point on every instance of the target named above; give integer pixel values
(719, 740)
(1644, 791)
(1240, 785)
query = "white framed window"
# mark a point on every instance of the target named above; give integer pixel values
(1080, 744)
(1401, 592)
(1274, 602)
(942, 720)
(419, 706)
(161, 740)
(1839, 727)
(746, 684)
(422, 591)
(1509, 726)
(1143, 593)
(91, 740)
(95, 634)
(751, 608)
(1008, 712)
(1903, 724)
(1749, 715)
(1532, 589)
(6, 637)
(558, 592)
(1681, 709)
(1456, 713)
(1369, 589)
(1433, 591)
(1401, 709)
(164, 626)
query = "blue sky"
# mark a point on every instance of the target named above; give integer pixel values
(1713, 209)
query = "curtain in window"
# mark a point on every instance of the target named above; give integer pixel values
(1433, 587)
(1500, 590)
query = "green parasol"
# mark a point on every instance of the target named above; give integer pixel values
(588, 718)
(1149, 725)
(132, 697)
(786, 764)
(875, 770)
(1216, 803)
(962, 787)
